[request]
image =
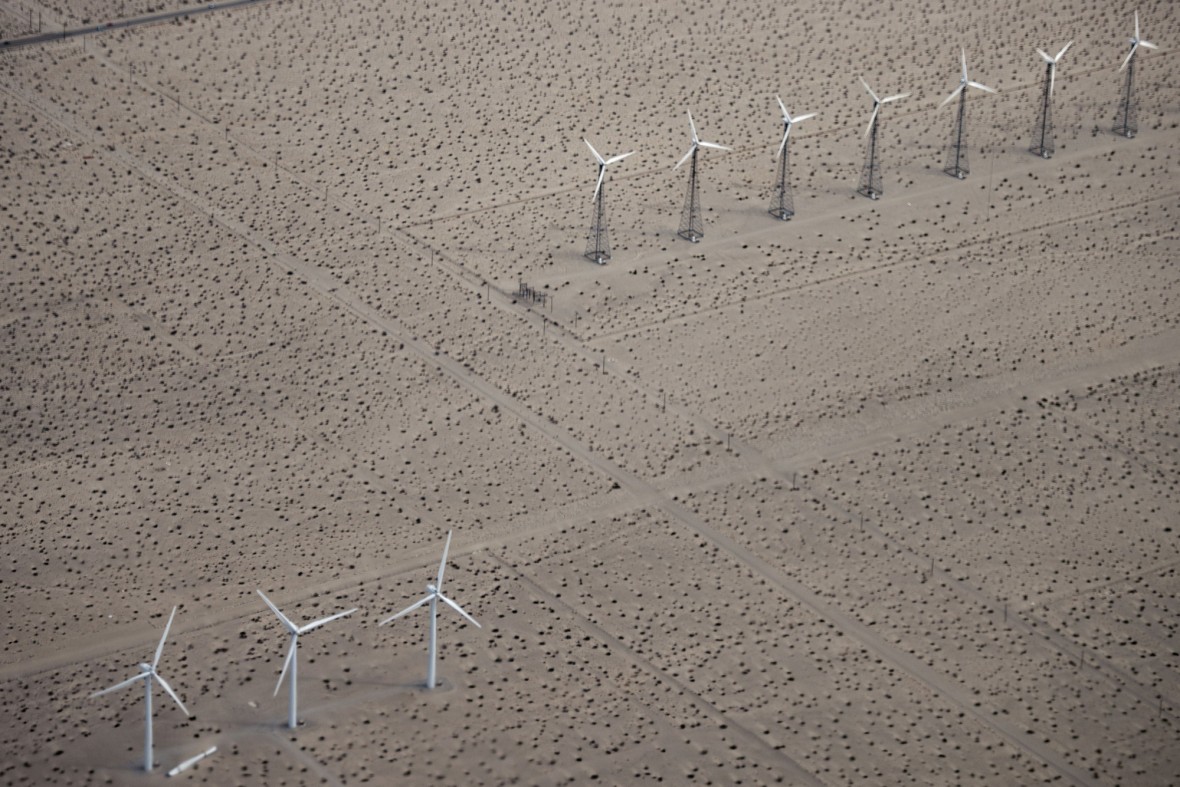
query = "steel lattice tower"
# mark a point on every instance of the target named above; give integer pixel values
(870, 178)
(956, 158)
(782, 201)
(1042, 141)
(1126, 121)
(598, 245)
(692, 227)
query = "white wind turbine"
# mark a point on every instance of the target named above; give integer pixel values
(433, 596)
(692, 228)
(956, 165)
(292, 660)
(870, 181)
(148, 674)
(1136, 42)
(782, 204)
(1051, 63)
(1043, 145)
(1127, 119)
(598, 248)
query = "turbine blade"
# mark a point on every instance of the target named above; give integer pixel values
(783, 145)
(287, 663)
(1044, 56)
(460, 610)
(1052, 77)
(406, 611)
(898, 97)
(290, 626)
(871, 93)
(316, 624)
(964, 53)
(951, 97)
(801, 118)
(120, 685)
(685, 157)
(872, 118)
(442, 565)
(713, 145)
(160, 647)
(693, 126)
(610, 161)
(598, 186)
(597, 157)
(979, 86)
(783, 107)
(1136, 26)
(1148, 44)
(1061, 54)
(171, 693)
(1130, 54)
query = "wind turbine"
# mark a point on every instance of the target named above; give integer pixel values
(148, 674)
(433, 596)
(956, 163)
(692, 228)
(1127, 120)
(870, 179)
(782, 204)
(292, 660)
(1042, 144)
(598, 249)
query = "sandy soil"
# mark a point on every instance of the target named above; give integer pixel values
(885, 494)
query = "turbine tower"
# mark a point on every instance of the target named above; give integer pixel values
(598, 248)
(956, 160)
(782, 202)
(1042, 142)
(433, 596)
(291, 662)
(148, 674)
(870, 179)
(1126, 121)
(692, 227)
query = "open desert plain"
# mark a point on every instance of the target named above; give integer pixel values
(887, 493)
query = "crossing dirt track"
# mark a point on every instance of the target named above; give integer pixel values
(888, 493)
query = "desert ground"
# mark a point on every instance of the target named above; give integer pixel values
(885, 494)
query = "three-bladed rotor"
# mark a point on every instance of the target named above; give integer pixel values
(295, 631)
(697, 143)
(435, 591)
(1136, 42)
(1053, 61)
(964, 83)
(603, 163)
(788, 123)
(148, 671)
(877, 102)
